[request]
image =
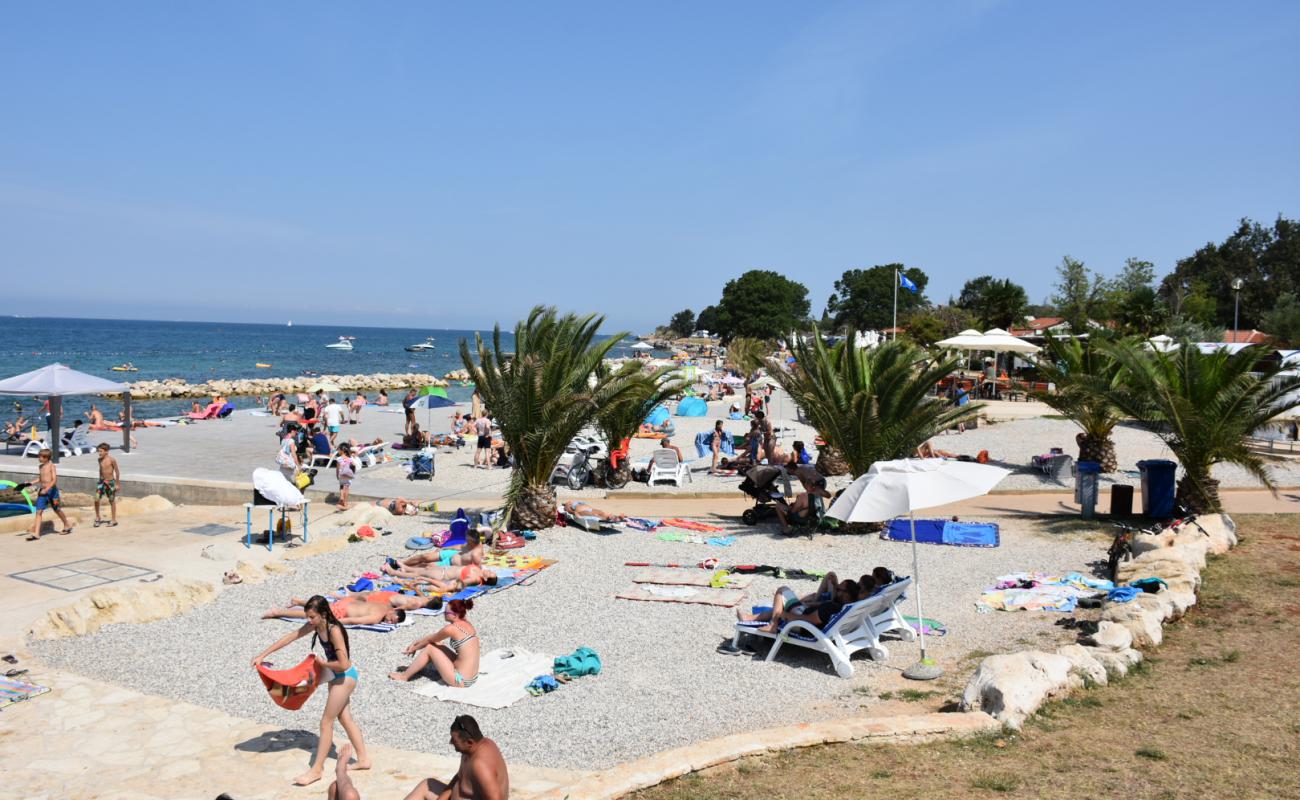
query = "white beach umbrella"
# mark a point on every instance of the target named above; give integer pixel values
(893, 488)
(1000, 341)
(1161, 343)
(763, 382)
(56, 381)
(968, 339)
(642, 346)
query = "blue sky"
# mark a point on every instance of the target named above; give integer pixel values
(450, 165)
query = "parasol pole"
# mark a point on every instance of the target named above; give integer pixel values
(925, 669)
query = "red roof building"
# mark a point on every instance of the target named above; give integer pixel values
(1251, 336)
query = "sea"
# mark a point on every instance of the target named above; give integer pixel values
(201, 351)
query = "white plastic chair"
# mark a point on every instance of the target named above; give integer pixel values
(665, 466)
(858, 626)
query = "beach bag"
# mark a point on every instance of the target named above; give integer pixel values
(302, 480)
(509, 540)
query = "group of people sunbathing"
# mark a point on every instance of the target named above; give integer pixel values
(821, 606)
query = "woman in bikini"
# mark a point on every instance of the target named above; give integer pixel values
(453, 651)
(443, 580)
(341, 675)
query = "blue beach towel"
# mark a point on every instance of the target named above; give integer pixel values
(939, 531)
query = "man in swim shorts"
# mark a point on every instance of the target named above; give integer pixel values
(483, 451)
(469, 553)
(482, 774)
(106, 486)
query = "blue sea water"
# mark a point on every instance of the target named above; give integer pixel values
(200, 351)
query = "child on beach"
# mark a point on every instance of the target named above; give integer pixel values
(48, 496)
(346, 469)
(341, 675)
(106, 487)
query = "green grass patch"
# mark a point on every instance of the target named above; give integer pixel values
(1153, 753)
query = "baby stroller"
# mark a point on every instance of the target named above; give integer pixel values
(760, 484)
(422, 465)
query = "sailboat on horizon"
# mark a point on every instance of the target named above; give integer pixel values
(290, 325)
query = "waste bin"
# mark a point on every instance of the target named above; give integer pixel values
(1121, 500)
(1086, 475)
(1158, 487)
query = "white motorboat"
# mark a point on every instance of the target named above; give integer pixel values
(344, 343)
(427, 344)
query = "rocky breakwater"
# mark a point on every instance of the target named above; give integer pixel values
(457, 375)
(368, 384)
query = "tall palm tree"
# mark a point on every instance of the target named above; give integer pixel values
(1085, 378)
(869, 404)
(617, 421)
(747, 354)
(542, 395)
(1205, 406)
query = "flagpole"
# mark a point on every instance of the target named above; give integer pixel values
(895, 304)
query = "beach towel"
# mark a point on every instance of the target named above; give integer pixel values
(503, 677)
(688, 525)
(940, 531)
(695, 538)
(290, 688)
(514, 560)
(12, 691)
(704, 444)
(1039, 591)
(708, 596)
(640, 524)
(377, 627)
(690, 577)
(583, 661)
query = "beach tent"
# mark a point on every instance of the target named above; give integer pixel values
(692, 407)
(894, 488)
(57, 381)
(658, 416)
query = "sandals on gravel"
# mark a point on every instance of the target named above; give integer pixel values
(231, 578)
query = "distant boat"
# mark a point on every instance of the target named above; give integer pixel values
(290, 325)
(344, 343)
(127, 367)
(260, 365)
(427, 344)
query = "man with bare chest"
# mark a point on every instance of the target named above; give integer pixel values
(482, 774)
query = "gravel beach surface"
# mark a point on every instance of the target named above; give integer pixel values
(663, 684)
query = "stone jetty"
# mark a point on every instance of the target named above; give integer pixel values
(175, 387)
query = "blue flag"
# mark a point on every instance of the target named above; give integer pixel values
(905, 283)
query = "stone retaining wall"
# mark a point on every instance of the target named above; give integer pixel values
(175, 387)
(1012, 686)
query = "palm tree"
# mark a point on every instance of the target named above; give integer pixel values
(1085, 377)
(542, 395)
(869, 404)
(619, 420)
(1205, 407)
(747, 354)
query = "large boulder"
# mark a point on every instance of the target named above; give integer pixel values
(1117, 664)
(1143, 626)
(1083, 662)
(1011, 687)
(1110, 637)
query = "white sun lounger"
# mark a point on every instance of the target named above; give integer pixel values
(664, 466)
(858, 626)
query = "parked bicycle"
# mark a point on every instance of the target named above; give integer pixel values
(587, 467)
(1121, 548)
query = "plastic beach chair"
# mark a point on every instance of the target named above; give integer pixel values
(858, 626)
(664, 466)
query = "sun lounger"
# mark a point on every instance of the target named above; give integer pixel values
(664, 466)
(858, 626)
(370, 455)
(208, 413)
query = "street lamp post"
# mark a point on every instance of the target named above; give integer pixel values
(1237, 283)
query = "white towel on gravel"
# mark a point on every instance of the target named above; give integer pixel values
(502, 677)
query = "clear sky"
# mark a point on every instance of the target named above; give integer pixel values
(452, 164)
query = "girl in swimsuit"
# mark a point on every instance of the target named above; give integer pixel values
(443, 580)
(453, 651)
(342, 677)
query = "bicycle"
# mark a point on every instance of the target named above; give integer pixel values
(585, 467)
(1121, 548)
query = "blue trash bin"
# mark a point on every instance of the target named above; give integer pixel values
(1158, 487)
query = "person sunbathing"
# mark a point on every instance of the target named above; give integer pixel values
(399, 506)
(453, 651)
(95, 416)
(366, 608)
(443, 580)
(577, 508)
(14, 430)
(928, 450)
(789, 607)
(649, 430)
(469, 553)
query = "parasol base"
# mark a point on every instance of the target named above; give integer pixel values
(923, 670)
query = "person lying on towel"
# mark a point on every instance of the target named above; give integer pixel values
(363, 608)
(452, 652)
(789, 607)
(928, 450)
(444, 580)
(399, 506)
(469, 553)
(577, 508)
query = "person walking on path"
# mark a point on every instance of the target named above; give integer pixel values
(333, 413)
(345, 469)
(48, 496)
(715, 444)
(106, 487)
(287, 459)
(483, 429)
(341, 675)
(482, 773)
(408, 404)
